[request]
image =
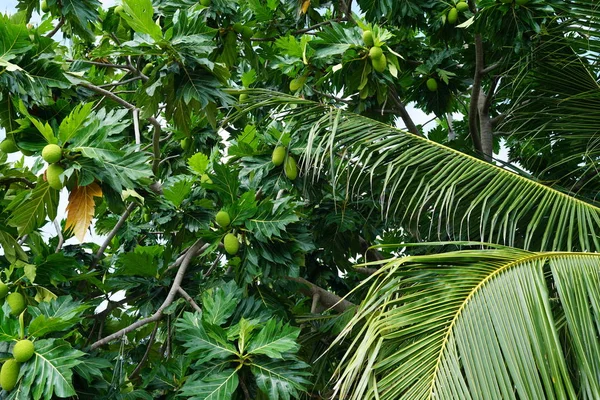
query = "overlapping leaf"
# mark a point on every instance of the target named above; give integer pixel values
(49, 373)
(56, 315)
(487, 324)
(30, 208)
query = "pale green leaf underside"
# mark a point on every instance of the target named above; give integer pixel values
(492, 324)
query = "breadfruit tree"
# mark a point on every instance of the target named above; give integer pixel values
(225, 199)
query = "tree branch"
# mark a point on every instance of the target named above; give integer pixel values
(410, 125)
(167, 302)
(137, 369)
(61, 239)
(112, 233)
(189, 299)
(6, 182)
(61, 22)
(475, 91)
(326, 298)
(153, 121)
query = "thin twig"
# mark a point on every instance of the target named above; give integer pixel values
(189, 299)
(137, 369)
(136, 126)
(119, 83)
(6, 182)
(167, 302)
(101, 64)
(61, 239)
(112, 233)
(153, 121)
(61, 22)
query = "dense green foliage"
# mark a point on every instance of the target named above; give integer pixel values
(226, 164)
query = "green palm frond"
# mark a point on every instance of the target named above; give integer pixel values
(485, 324)
(420, 183)
(551, 101)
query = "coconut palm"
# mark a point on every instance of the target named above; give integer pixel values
(517, 314)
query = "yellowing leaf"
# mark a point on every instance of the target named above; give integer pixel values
(80, 209)
(304, 6)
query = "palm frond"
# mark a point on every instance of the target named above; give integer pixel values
(552, 98)
(424, 185)
(484, 324)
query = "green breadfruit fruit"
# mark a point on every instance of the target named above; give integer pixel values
(278, 156)
(53, 176)
(205, 3)
(432, 84)
(290, 168)
(243, 97)
(148, 68)
(44, 6)
(247, 32)
(453, 16)
(3, 290)
(52, 153)
(223, 219)
(23, 350)
(375, 53)
(8, 146)
(231, 244)
(367, 37)
(462, 6)
(296, 84)
(238, 27)
(16, 302)
(379, 64)
(9, 374)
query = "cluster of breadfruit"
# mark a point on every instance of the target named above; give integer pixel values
(452, 15)
(52, 154)
(281, 156)
(378, 59)
(23, 349)
(230, 241)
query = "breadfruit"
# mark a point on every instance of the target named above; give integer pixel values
(16, 302)
(379, 64)
(453, 16)
(296, 84)
(432, 84)
(278, 155)
(205, 3)
(3, 290)
(375, 53)
(44, 6)
(9, 374)
(23, 350)
(368, 38)
(223, 219)
(462, 6)
(231, 244)
(238, 27)
(8, 146)
(52, 153)
(243, 97)
(247, 32)
(53, 173)
(290, 168)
